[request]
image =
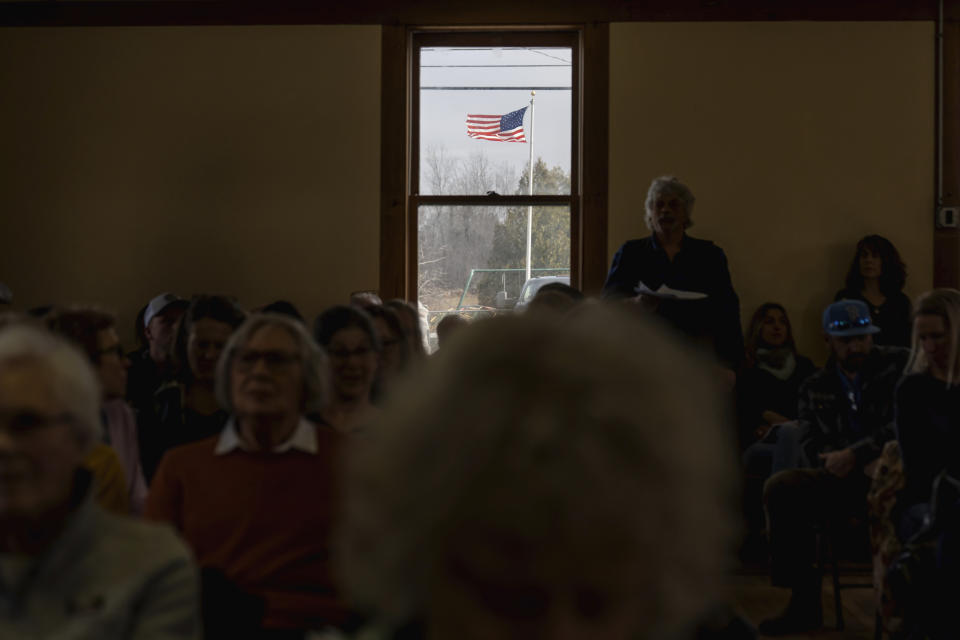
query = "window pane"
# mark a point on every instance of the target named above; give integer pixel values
(472, 260)
(463, 87)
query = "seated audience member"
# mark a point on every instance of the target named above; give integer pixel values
(284, 308)
(348, 336)
(410, 321)
(671, 258)
(6, 296)
(877, 276)
(515, 491)
(365, 299)
(95, 333)
(449, 325)
(847, 411)
(150, 368)
(69, 569)
(186, 409)
(394, 351)
(928, 405)
(257, 502)
(555, 297)
(768, 384)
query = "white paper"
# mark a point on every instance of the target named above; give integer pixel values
(667, 293)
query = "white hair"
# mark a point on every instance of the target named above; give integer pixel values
(672, 186)
(601, 427)
(316, 376)
(72, 379)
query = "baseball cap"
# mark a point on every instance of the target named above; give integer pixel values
(159, 303)
(848, 318)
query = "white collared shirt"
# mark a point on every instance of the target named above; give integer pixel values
(303, 438)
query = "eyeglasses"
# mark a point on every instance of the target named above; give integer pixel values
(343, 354)
(274, 360)
(843, 325)
(25, 423)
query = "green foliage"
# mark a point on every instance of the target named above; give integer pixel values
(550, 237)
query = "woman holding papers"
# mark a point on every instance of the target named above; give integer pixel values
(686, 281)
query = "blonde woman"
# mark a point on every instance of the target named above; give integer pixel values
(928, 403)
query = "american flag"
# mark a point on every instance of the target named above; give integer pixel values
(505, 128)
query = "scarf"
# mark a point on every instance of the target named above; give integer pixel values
(780, 363)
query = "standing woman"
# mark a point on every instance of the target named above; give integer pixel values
(928, 403)
(877, 276)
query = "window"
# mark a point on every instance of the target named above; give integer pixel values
(455, 207)
(488, 110)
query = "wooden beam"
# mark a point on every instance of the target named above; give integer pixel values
(427, 12)
(946, 242)
(595, 92)
(394, 121)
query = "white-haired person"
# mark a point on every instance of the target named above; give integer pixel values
(543, 480)
(69, 569)
(256, 502)
(669, 257)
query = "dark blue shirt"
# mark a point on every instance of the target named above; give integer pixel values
(699, 266)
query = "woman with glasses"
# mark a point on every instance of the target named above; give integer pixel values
(186, 409)
(351, 342)
(257, 502)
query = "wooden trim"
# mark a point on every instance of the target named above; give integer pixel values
(595, 92)
(427, 12)
(492, 201)
(393, 162)
(946, 242)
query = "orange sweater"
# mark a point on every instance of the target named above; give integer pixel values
(264, 519)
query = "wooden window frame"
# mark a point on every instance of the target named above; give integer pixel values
(400, 197)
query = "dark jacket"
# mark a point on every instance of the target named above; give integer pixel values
(699, 266)
(825, 409)
(928, 428)
(759, 390)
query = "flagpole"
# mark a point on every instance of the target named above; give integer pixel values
(530, 181)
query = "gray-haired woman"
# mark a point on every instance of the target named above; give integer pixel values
(257, 502)
(671, 258)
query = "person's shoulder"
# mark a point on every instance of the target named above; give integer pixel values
(704, 247)
(191, 454)
(135, 545)
(805, 367)
(915, 382)
(819, 379)
(892, 356)
(636, 244)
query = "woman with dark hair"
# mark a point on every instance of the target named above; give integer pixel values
(877, 275)
(394, 350)
(350, 340)
(186, 409)
(413, 332)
